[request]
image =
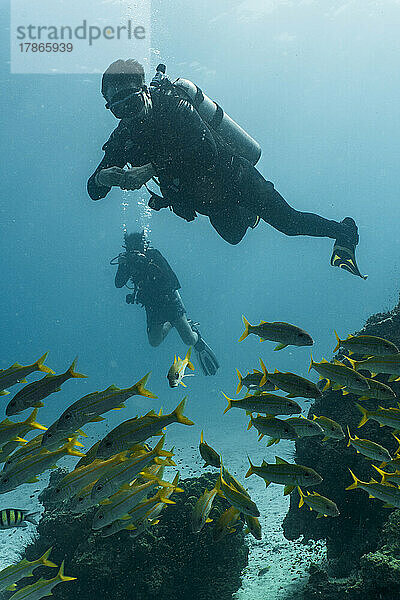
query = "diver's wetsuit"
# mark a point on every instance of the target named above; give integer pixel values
(156, 285)
(199, 174)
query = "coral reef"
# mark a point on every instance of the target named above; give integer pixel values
(167, 561)
(354, 537)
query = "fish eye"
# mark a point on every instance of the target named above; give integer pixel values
(99, 487)
(81, 499)
(49, 435)
(4, 479)
(58, 490)
(176, 375)
(100, 517)
(108, 444)
(67, 416)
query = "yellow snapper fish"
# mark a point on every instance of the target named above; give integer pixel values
(269, 404)
(295, 385)
(139, 429)
(331, 428)
(377, 390)
(83, 500)
(277, 429)
(34, 393)
(323, 506)
(24, 568)
(208, 454)
(232, 481)
(177, 370)
(253, 527)
(11, 431)
(15, 517)
(77, 479)
(341, 375)
(242, 502)
(278, 331)
(225, 523)
(127, 471)
(28, 449)
(202, 508)
(393, 478)
(369, 449)
(252, 382)
(305, 427)
(385, 492)
(389, 364)
(17, 373)
(366, 344)
(42, 587)
(26, 470)
(384, 416)
(90, 408)
(285, 473)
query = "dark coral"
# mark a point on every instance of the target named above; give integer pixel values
(167, 561)
(353, 537)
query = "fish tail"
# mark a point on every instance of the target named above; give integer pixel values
(301, 497)
(338, 342)
(43, 560)
(4, 392)
(352, 362)
(354, 485)
(158, 448)
(365, 416)
(140, 387)
(350, 438)
(201, 437)
(381, 473)
(32, 423)
(60, 575)
(41, 367)
(246, 329)
(31, 518)
(178, 413)
(311, 363)
(70, 448)
(229, 403)
(187, 359)
(251, 469)
(265, 373)
(72, 373)
(240, 384)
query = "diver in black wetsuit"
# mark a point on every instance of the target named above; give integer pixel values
(156, 288)
(163, 136)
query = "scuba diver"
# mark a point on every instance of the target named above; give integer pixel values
(202, 161)
(155, 286)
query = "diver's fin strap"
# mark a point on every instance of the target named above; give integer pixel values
(344, 258)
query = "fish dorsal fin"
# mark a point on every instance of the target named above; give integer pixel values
(175, 361)
(264, 463)
(276, 371)
(281, 461)
(112, 388)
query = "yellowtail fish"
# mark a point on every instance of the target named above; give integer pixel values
(27, 470)
(269, 404)
(377, 390)
(208, 454)
(17, 373)
(233, 482)
(202, 508)
(253, 527)
(331, 428)
(305, 427)
(285, 473)
(393, 478)
(177, 370)
(389, 364)
(89, 456)
(146, 507)
(77, 479)
(226, 523)
(82, 501)
(252, 382)
(341, 375)
(126, 471)
(277, 429)
(295, 385)
(24, 568)
(387, 493)
(29, 448)
(42, 587)
(139, 429)
(14, 517)
(368, 448)
(11, 431)
(34, 393)
(323, 506)
(278, 331)
(90, 408)
(242, 502)
(366, 344)
(384, 416)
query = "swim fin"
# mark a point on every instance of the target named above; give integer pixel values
(344, 249)
(206, 357)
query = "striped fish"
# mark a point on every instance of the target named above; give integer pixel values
(14, 517)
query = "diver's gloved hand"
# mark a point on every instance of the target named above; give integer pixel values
(136, 177)
(110, 177)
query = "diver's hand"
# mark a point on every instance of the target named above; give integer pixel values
(136, 177)
(113, 176)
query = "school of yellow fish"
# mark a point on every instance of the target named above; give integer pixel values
(124, 477)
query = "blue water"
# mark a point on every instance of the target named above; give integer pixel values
(317, 85)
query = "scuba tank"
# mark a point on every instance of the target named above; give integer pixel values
(241, 143)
